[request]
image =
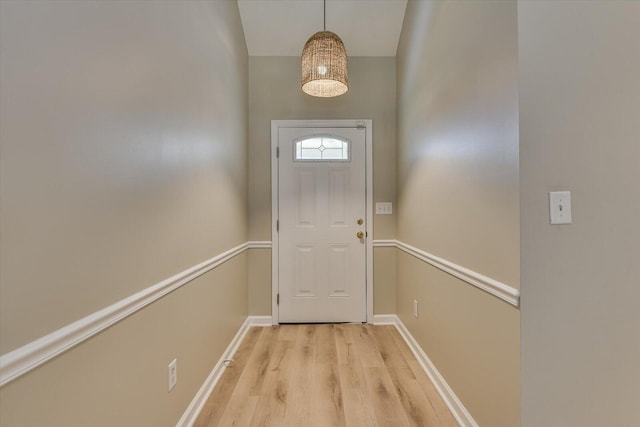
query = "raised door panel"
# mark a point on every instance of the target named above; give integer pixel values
(305, 278)
(305, 197)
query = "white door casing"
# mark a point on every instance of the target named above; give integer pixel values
(321, 268)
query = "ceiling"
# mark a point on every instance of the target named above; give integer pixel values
(281, 27)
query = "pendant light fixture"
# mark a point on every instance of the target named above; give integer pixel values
(324, 63)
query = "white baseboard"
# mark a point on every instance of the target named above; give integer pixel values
(460, 413)
(260, 321)
(193, 410)
(385, 319)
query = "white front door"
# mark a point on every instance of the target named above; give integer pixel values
(322, 215)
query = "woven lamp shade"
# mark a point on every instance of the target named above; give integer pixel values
(324, 65)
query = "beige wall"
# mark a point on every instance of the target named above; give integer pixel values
(469, 335)
(384, 274)
(274, 94)
(124, 151)
(119, 377)
(579, 131)
(458, 194)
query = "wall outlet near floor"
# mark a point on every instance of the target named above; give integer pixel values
(415, 308)
(172, 371)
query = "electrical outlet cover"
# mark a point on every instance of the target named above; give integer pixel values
(172, 371)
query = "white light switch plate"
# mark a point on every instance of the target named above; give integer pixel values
(384, 208)
(560, 207)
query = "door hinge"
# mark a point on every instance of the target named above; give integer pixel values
(277, 225)
(278, 152)
(278, 299)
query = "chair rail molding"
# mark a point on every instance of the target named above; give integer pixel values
(259, 244)
(23, 359)
(487, 284)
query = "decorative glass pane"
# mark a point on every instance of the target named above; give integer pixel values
(322, 147)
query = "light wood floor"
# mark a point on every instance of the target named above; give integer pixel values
(324, 376)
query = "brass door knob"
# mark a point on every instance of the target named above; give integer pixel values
(360, 221)
(360, 234)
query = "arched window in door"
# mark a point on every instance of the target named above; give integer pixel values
(315, 148)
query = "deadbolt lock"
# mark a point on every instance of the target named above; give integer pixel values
(360, 221)
(360, 234)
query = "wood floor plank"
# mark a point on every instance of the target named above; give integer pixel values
(298, 407)
(239, 418)
(249, 387)
(324, 376)
(288, 332)
(273, 398)
(327, 402)
(386, 403)
(358, 408)
(216, 404)
(344, 342)
(440, 409)
(416, 404)
(256, 367)
(366, 347)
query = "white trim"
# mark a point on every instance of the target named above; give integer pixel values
(190, 416)
(260, 321)
(460, 413)
(275, 126)
(275, 215)
(259, 244)
(22, 360)
(385, 319)
(385, 243)
(369, 241)
(487, 284)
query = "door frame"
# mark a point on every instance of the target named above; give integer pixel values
(368, 128)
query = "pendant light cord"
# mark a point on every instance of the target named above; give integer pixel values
(324, 16)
